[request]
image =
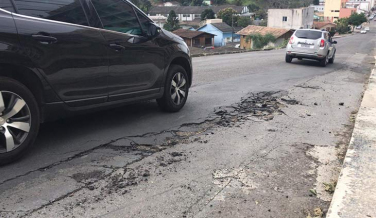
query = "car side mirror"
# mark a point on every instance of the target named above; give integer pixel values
(153, 31)
(334, 42)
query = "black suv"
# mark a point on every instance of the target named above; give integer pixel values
(63, 57)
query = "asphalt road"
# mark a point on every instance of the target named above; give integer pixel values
(219, 81)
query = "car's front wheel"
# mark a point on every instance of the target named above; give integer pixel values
(19, 120)
(175, 91)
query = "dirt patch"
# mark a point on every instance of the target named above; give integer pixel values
(86, 177)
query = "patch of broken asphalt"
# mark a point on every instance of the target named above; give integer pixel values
(260, 157)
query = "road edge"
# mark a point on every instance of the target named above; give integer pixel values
(355, 194)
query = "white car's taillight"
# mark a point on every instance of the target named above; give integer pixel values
(322, 43)
(291, 40)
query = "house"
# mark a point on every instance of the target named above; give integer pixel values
(318, 8)
(346, 12)
(332, 9)
(328, 26)
(291, 18)
(223, 33)
(196, 38)
(281, 34)
(191, 15)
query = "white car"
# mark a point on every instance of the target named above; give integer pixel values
(363, 32)
(366, 29)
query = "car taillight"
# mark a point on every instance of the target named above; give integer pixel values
(291, 40)
(322, 43)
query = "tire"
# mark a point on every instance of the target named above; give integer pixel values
(324, 62)
(288, 59)
(174, 97)
(19, 121)
(331, 60)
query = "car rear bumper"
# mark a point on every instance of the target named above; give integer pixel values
(306, 55)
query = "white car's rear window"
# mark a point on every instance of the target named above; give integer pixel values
(308, 34)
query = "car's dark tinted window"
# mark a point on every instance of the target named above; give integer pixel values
(69, 11)
(145, 23)
(6, 5)
(307, 34)
(118, 16)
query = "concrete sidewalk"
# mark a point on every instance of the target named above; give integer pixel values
(355, 195)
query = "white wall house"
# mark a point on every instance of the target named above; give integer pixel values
(360, 5)
(291, 18)
(193, 13)
(318, 8)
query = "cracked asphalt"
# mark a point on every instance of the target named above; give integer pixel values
(257, 138)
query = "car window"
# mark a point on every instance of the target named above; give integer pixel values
(118, 16)
(69, 11)
(308, 34)
(145, 23)
(6, 5)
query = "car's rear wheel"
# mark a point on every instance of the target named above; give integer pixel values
(175, 91)
(288, 59)
(331, 60)
(324, 61)
(19, 120)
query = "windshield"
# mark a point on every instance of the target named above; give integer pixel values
(308, 34)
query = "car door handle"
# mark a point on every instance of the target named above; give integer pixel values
(45, 39)
(117, 47)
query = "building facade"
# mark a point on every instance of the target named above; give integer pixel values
(332, 10)
(291, 18)
(223, 33)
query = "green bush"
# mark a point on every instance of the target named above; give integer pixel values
(259, 41)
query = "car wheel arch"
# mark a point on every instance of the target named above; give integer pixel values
(184, 62)
(28, 78)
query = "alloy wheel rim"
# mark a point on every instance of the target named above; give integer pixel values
(15, 121)
(178, 89)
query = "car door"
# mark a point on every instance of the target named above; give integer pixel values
(136, 63)
(71, 55)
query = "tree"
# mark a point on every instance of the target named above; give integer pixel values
(144, 5)
(244, 21)
(172, 22)
(253, 7)
(207, 14)
(196, 2)
(260, 41)
(316, 2)
(218, 2)
(238, 2)
(357, 19)
(228, 15)
(342, 25)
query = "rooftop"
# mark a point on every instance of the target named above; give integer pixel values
(185, 33)
(251, 29)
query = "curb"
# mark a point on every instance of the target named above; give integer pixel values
(231, 52)
(355, 194)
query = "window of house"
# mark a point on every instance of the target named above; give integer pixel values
(284, 18)
(118, 16)
(69, 11)
(196, 41)
(208, 41)
(185, 15)
(6, 5)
